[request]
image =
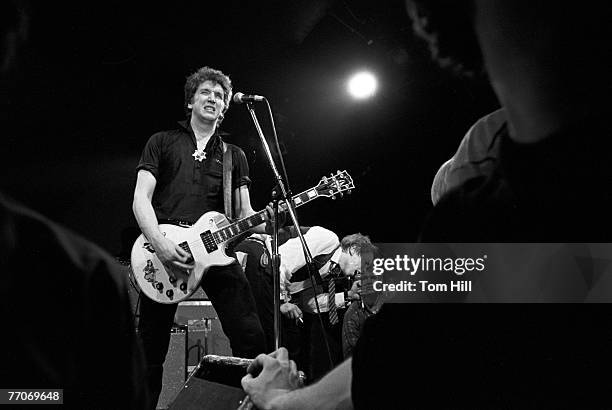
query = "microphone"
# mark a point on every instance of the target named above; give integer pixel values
(240, 98)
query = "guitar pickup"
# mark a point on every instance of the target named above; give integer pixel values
(209, 241)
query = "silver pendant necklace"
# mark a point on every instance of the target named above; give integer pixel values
(199, 154)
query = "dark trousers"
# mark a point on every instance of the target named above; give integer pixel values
(291, 339)
(262, 285)
(314, 357)
(230, 294)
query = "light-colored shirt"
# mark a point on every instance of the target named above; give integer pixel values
(320, 241)
(477, 155)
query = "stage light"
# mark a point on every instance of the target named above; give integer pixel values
(362, 85)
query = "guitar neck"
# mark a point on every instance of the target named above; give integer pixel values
(243, 225)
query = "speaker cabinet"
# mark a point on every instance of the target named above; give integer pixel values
(199, 294)
(214, 385)
(175, 366)
(205, 333)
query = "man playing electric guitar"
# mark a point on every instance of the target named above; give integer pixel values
(180, 177)
(336, 261)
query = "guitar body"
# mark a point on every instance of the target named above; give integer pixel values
(151, 274)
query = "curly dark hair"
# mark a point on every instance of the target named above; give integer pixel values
(358, 243)
(208, 74)
(446, 26)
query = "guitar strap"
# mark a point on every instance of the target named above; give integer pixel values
(227, 182)
(319, 261)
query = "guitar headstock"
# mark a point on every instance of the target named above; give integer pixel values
(337, 183)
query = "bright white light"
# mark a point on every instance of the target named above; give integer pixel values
(362, 85)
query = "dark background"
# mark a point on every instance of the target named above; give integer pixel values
(96, 79)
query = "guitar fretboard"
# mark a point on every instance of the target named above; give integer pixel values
(243, 225)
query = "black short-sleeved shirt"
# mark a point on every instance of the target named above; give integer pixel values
(187, 188)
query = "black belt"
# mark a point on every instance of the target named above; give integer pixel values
(175, 222)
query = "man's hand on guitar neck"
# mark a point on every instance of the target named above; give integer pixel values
(266, 227)
(174, 258)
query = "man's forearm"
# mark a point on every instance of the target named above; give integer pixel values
(145, 216)
(331, 392)
(262, 228)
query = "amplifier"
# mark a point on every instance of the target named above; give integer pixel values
(175, 367)
(199, 294)
(214, 385)
(205, 333)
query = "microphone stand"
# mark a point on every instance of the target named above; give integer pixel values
(246, 403)
(284, 196)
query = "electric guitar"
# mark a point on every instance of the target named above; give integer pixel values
(206, 241)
